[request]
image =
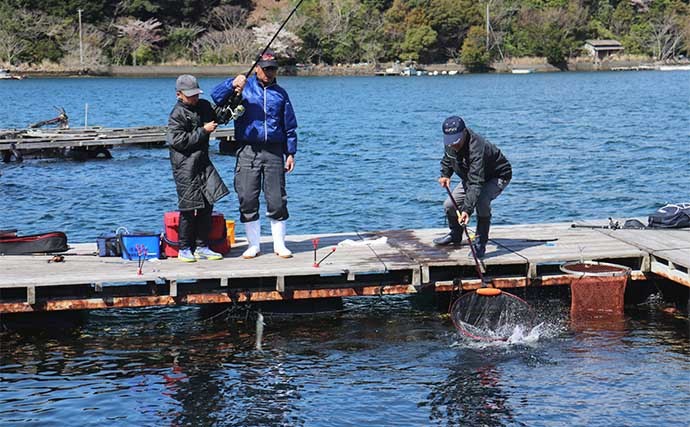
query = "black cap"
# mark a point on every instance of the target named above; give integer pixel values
(268, 59)
(453, 128)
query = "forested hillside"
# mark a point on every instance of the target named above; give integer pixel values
(137, 32)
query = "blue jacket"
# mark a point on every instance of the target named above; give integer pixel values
(269, 117)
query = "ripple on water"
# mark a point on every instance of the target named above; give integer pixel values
(369, 161)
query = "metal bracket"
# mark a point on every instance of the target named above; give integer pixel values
(350, 276)
(416, 276)
(224, 282)
(173, 288)
(31, 295)
(531, 271)
(97, 287)
(646, 264)
(425, 273)
(280, 284)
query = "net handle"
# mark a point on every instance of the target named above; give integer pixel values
(469, 240)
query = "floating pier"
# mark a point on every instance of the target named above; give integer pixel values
(363, 264)
(83, 143)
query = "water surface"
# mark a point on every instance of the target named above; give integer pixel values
(583, 145)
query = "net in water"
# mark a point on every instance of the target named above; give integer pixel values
(492, 317)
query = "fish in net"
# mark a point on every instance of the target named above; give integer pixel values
(490, 314)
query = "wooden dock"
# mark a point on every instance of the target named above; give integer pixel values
(82, 143)
(363, 264)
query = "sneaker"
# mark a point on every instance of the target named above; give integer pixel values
(206, 253)
(185, 255)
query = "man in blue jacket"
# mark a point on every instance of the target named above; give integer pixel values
(267, 139)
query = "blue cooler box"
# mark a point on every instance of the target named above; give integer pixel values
(132, 243)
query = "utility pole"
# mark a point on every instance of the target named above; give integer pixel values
(81, 49)
(488, 26)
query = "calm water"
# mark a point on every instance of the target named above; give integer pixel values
(583, 145)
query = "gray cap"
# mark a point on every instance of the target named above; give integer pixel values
(188, 85)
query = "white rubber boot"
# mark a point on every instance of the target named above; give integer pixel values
(278, 232)
(253, 232)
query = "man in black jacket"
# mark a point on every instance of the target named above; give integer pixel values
(199, 185)
(485, 173)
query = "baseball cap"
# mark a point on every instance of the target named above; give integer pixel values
(188, 85)
(268, 59)
(453, 127)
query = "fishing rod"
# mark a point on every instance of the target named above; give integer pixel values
(612, 225)
(477, 266)
(233, 108)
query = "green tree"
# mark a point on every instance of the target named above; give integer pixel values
(451, 19)
(551, 33)
(179, 42)
(417, 42)
(474, 55)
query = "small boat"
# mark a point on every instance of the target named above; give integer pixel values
(522, 71)
(5, 75)
(408, 71)
(674, 67)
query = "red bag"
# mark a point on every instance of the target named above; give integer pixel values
(217, 239)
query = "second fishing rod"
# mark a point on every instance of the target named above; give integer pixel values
(233, 107)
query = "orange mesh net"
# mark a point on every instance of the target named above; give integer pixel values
(598, 290)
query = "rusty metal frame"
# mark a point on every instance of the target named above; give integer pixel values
(178, 296)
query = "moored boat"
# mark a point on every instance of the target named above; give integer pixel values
(5, 75)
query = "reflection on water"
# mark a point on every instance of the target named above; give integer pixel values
(472, 394)
(390, 361)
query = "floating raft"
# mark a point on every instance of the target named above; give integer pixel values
(369, 264)
(82, 143)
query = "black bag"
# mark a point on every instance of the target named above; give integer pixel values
(671, 216)
(109, 244)
(633, 224)
(11, 244)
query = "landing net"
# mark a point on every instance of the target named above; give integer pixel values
(491, 317)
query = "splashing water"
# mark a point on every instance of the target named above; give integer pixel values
(519, 335)
(491, 318)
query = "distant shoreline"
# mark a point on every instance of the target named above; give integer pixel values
(518, 66)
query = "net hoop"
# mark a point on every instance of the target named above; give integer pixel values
(489, 292)
(492, 294)
(595, 269)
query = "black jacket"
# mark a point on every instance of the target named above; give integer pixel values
(195, 176)
(476, 163)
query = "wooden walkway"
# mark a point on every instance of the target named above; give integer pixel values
(364, 264)
(96, 140)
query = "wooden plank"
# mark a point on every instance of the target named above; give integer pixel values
(82, 265)
(418, 246)
(546, 243)
(653, 240)
(40, 140)
(679, 257)
(407, 253)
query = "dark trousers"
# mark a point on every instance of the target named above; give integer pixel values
(195, 227)
(261, 166)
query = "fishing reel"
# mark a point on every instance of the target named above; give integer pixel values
(232, 110)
